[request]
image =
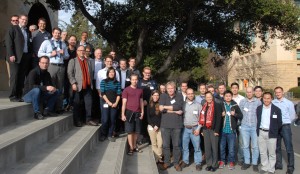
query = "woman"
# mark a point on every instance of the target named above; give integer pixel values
(154, 117)
(210, 120)
(110, 90)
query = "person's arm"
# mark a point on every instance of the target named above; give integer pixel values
(142, 108)
(124, 102)
(9, 42)
(71, 74)
(65, 53)
(292, 111)
(45, 49)
(98, 79)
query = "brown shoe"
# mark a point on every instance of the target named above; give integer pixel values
(163, 166)
(178, 168)
(91, 123)
(183, 165)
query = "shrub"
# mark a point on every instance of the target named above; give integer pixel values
(295, 91)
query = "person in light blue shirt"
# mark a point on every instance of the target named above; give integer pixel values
(201, 98)
(285, 133)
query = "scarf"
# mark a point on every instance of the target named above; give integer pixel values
(86, 80)
(208, 120)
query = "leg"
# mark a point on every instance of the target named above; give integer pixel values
(246, 142)
(223, 147)
(113, 115)
(231, 149)
(185, 145)
(166, 136)
(262, 144)
(60, 76)
(153, 139)
(76, 109)
(254, 146)
(207, 146)
(288, 143)
(215, 149)
(33, 96)
(104, 119)
(197, 150)
(51, 99)
(176, 139)
(24, 67)
(159, 143)
(13, 81)
(271, 145)
(88, 104)
(130, 141)
(240, 145)
(279, 151)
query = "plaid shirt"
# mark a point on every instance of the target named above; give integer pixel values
(227, 126)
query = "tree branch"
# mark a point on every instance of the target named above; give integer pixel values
(141, 39)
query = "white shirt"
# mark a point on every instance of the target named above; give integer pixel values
(102, 75)
(123, 75)
(98, 67)
(238, 99)
(265, 117)
(46, 50)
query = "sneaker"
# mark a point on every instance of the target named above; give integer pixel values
(221, 165)
(255, 168)
(38, 116)
(112, 139)
(245, 166)
(231, 166)
(178, 168)
(183, 165)
(198, 167)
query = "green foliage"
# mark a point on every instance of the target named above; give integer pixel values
(296, 91)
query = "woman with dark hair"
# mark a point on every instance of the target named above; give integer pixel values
(110, 90)
(154, 118)
(210, 120)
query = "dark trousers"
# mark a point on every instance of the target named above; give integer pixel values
(211, 144)
(18, 72)
(285, 133)
(228, 139)
(120, 124)
(174, 135)
(144, 136)
(108, 121)
(84, 96)
(96, 111)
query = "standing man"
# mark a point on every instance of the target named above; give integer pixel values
(38, 37)
(132, 112)
(191, 130)
(258, 92)
(14, 20)
(64, 37)
(285, 133)
(80, 76)
(32, 28)
(183, 88)
(171, 106)
(269, 121)
(18, 50)
(83, 42)
(221, 90)
(132, 69)
(115, 60)
(248, 107)
(57, 51)
(201, 98)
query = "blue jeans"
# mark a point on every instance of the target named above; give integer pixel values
(248, 133)
(35, 95)
(187, 136)
(228, 138)
(108, 119)
(285, 133)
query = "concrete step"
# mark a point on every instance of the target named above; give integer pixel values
(65, 154)
(19, 140)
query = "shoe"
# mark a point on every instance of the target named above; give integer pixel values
(48, 113)
(240, 163)
(184, 165)
(112, 139)
(79, 124)
(255, 168)
(213, 169)
(130, 152)
(221, 165)
(140, 143)
(245, 166)
(39, 116)
(14, 99)
(163, 166)
(198, 167)
(178, 168)
(137, 150)
(231, 166)
(60, 112)
(289, 171)
(208, 168)
(102, 138)
(278, 167)
(91, 123)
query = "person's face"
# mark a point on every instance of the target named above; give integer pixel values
(202, 89)
(81, 52)
(131, 62)
(267, 99)
(171, 90)
(212, 90)
(279, 93)
(44, 63)
(208, 97)
(108, 62)
(64, 35)
(134, 80)
(84, 37)
(111, 74)
(42, 25)
(221, 89)
(113, 54)
(235, 89)
(190, 94)
(147, 74)
(249, 93)
(155, 97)
(258, 93)
(23, 21)
(56, 34)
(162, 88)
(183, 87)
(123, 65)
(98, 54)
(14, 20)
(32, 29)
(228, 97)
(87, 52)
(72, 41)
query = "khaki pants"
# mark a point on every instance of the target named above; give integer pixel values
(267, 146)
(156, 141)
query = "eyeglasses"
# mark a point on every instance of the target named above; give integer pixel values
(81, 50)
(14, 20)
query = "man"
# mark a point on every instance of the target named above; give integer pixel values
(132, 69)
(221, 90)
(83, 42)
(39, 89)
(123, 72)
(18, 50)
(32, 28)
(238, 98)
(191, 130)
(211, 89)
(269, 121)
(64, 36)
(148, 85)
(170, 104)
(162, 88)
(115, 60)
(80, 77)
(183, 88)
(201, 98)
(88, 52)
(72, 47)
(57, 51)
(38, 37)
(258, 92)
(132, 112)
(248, 129)
(14, 20)
(285, 133)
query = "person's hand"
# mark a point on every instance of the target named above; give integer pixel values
(216, 134)
(179, 112)
(223, 113)
(155, 128)
(196, 132)
(123, 117)
(145, 103)
(202, 134)
(12, 58)
(142, 115)
(61, 51)
(74, 87)
(114, 105)
(232, 113)
(53, 53)
(50, 88)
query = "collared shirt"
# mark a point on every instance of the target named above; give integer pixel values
(192, 111)
(265, 117)
(38, 37)
(184, 96)
(287, 110)
(199, 99)
(46, 50)
(248, 108)
(101, 75)
(25, 49)
(98, 67)
(238, 99)
(123, 77)
(227, 122)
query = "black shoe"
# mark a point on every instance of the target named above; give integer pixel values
(289, 171)
(245, 166)
(255, 168)
(38, 116)
(278, 167)
(199, 167)
(79, 124)
(102, 138)
(208, 168)
(48, 113)
(59, 112)
(139, 143)
(240, 163)
(213, 169)
(15, 99)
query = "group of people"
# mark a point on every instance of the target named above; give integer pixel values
(57, 73)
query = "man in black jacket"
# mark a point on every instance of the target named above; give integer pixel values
(39, 87)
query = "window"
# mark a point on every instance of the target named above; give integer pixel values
(298, 81)
(298, 54)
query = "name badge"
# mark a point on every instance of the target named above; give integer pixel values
(127, 79)
(228, 113)
(105, 105)
(202, 112)
(195, 112)
(274, 116)
(173, 101)
(246, 109)
(151, 87)
(30, 40)
(46, 38)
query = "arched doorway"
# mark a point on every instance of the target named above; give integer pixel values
(38, 11)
